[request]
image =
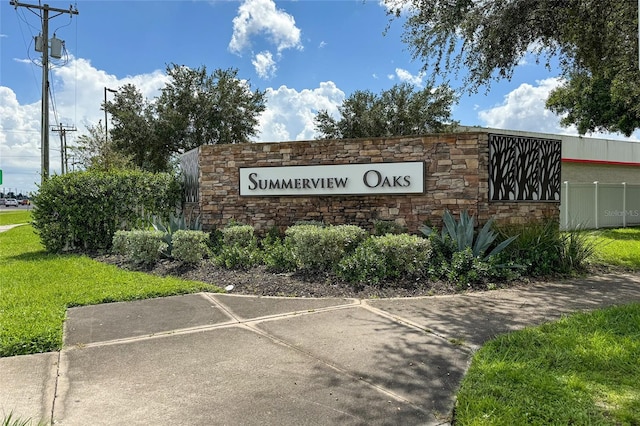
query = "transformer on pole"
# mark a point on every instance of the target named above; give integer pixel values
(42, 45)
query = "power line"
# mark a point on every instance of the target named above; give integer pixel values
(44, 128)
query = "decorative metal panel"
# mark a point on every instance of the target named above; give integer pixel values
(190, 172)
(524, 168)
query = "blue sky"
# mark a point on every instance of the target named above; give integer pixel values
(307, 55)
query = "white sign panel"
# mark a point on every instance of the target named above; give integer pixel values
(343, 179)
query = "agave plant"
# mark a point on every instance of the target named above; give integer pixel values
(176, 222)
(462, 235)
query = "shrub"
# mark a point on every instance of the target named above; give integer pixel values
(120, 241)
(190, 246)
(467, 271)
(543, 250)
(319, 249)
(239, 235)
(143, 247)
(278, 255)
(384, 227)
(238, 257)
(83, 210)
(537, 247)
(239, 248)
(459, 253)
(387, 257)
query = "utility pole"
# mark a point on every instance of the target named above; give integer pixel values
(44, 128)
(64, 166)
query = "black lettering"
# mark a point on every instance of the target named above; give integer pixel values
(315, 182)
(263, 183)
(341, 182)
(287, 184)
(407, 181)
(274, 184)
(386, 182)
(330, 183)
(298, 182)
(396, 181)
(305, 183)
(253, 185)
(365, 178)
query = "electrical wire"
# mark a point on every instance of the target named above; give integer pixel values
(27, 46)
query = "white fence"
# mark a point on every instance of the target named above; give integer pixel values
(599, 205)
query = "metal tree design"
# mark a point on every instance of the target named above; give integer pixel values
(524, 168)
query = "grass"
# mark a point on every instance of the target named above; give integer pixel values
(36, 289)
(618, 247)
(581, 370)
(12, 217)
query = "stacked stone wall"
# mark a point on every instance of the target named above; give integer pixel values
(456, 178)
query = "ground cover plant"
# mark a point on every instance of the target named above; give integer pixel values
(581, 370)
(37, 287)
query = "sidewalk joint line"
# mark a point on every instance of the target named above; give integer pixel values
(416, 326)
(335, 367)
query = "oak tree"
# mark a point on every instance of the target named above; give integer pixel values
(398, 111)
(595, 44)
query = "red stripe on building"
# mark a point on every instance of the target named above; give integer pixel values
(603, 162)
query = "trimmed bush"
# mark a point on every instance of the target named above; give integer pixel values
(144, 247)
(387, 257)
(278, 255)
(384, 227)
(239, 235)
(190, 246)
(120, 241)
(319, 249)
(238, 257)
(83, 210)
(239, 248)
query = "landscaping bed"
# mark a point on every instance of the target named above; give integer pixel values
(260, 282)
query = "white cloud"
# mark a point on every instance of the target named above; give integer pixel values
(261, 17)
(290, 114)
(322, 44)
(406, 77)
(264, 64)
(78, 91)
(404, 6)
(524, 109)
(257, 17)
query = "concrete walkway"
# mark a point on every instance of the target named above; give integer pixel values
(212, 359)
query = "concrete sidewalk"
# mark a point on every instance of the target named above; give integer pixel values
(206, 359)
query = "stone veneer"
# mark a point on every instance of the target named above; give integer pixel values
(456, 178)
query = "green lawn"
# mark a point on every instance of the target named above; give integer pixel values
(581, 370)
(12, 217)
(619, 247)
(36, 288)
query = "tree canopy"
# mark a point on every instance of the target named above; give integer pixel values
(194, 108)
(595, 43)
(398, 111)
(95, 152)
